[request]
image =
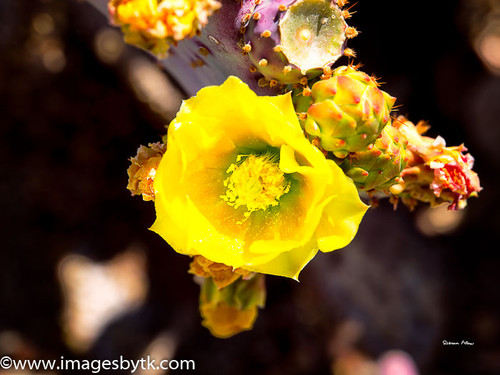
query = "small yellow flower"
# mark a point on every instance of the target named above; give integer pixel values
(240, 185)
(224, 321)
(154, 25)
(232, 309)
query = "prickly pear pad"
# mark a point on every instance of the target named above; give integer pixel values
(312, 34)
(289, 39)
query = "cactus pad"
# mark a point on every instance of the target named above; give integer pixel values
(289, 39)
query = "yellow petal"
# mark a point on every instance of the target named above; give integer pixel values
(290, 263)
(342, 215)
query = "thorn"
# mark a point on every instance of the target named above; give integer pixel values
(263, 62)
(302, 116)
(246, 18)
(376, 80)
(394, 200)
(265, 34)
(352, 6)
(349, 52)
(287, 69)
(278, 48)
(346, 14)
(263, 82)
(355, 67)
(203, 51)
(213, 40)
(351, 32)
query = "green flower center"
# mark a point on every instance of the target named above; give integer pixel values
(255, 181)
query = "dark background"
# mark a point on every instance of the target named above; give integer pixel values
(66, 134)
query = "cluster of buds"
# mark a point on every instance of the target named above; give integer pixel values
(435, 174)
(347, 116)
(155, 25)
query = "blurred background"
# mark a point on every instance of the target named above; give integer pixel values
(81, 276)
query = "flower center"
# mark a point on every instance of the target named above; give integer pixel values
(255, 181)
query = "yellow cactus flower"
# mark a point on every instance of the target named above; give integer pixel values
(240, 185)
(154, 25)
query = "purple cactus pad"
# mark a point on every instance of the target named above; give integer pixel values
(289, 39)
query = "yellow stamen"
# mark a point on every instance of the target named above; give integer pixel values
(255, 182)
